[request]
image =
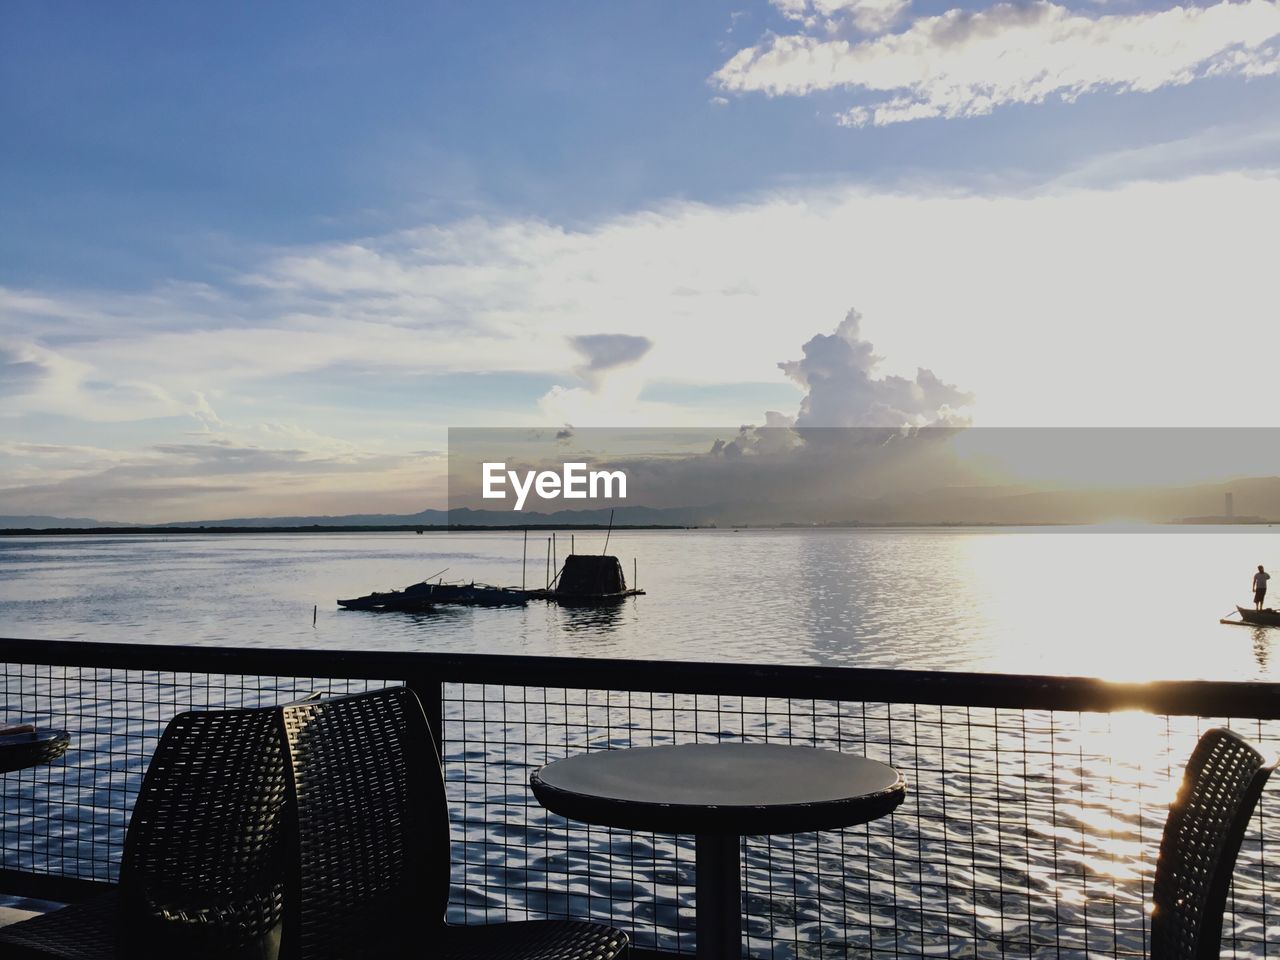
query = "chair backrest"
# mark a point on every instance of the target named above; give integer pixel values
(369, 827)
(201, 873)
(1202, 837)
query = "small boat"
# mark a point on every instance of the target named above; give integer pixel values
(1257, 618)
(408, 600)
(421, 597)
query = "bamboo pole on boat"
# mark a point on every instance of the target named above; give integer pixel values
(606, 535)
(524, 556)
(548, 563)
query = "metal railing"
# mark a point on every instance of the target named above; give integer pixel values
(1031, 827)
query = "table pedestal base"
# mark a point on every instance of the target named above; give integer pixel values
(719, 897)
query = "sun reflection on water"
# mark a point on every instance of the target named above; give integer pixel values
(1079, 601)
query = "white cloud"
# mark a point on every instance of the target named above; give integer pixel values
(20, 372)
(723, 293)
(965, 64)
(871, 16)
(1081, 305)
(1242, 147)
(837, 371)
(607, 351)
(212, 480)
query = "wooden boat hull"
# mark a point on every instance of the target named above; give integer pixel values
(473, 595)
(421, 597)
(394, 600)
(373, 601)
(1261, 618)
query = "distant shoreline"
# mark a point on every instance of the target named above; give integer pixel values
(516, 528)
(321, 528)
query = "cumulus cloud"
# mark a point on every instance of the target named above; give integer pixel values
(870, 16)
(855, 435)
(966, 64)
(510, 299)
(842, 392)
(757, 474)
(777, 436)
(343, 368)
(851, 425)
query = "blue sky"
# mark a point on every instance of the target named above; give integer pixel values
(256, 258)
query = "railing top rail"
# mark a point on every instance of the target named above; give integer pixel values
(1238, 699)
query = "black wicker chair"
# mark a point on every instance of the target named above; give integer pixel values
(371, 827)
(1202, 837)
(201, 875)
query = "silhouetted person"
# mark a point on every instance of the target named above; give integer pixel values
(1260, 587)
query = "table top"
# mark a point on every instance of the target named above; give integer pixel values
(722, 788)
(31, 747)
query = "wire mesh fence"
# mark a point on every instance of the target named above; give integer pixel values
(68, 819)
(1026, 831)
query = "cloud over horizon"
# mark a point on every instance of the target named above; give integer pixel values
(307, 351)
(836, 370)
(208, 481)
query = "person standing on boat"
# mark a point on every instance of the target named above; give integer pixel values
(1260, 587)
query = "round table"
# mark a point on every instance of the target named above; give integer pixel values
(31, 747)
(719, 792)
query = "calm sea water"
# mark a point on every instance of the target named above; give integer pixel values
(1142, 603)
(1023, 834)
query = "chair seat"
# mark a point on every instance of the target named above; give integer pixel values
(81, 931)
(246, 924)
(90, 931)
(368, 845)
(531, 940)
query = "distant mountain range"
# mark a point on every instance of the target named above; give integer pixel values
(624, 516)
(1255, 500)
(50, 523)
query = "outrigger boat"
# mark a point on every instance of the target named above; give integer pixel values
(583, 580)
(1256, 618)
(421, 597)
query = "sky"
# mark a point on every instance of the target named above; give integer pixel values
(255, 260)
